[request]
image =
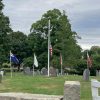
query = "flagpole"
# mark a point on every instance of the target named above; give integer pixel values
(10, 65)
(61, 69)
(61, 62)
(87, 61)
(33, 65)
(33, 69)
(48, 47)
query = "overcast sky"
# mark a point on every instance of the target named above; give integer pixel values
(84, 16)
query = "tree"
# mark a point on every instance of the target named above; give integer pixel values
(4, 30)
(62, 39)
(95, 52)
(18, 44)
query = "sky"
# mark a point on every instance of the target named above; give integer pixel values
(84, 16)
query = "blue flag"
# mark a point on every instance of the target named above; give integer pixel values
(13, 58)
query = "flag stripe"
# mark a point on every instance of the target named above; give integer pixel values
(89, 61)
(50, 49)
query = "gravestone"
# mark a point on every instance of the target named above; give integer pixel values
(2, 73)
(37, 72)
(27, 71)
(53, 71)
(97, 72)
(86, 74)
(71, 90)
(21, 67)
(57, 71)
(44, 71)
(63, 72)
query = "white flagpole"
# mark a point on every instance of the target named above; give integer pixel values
(10, 65)
(87, 60)
(61, 69)
(48, 47)
(33, 65)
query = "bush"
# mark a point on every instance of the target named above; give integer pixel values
(28, 62)
(6, 65)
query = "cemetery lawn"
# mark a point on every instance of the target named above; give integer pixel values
(43, 84)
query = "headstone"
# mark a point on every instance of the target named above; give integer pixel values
(97, 72)
(71, 90)
(67, 74)
(27, 71)
(44, 71)
(86, 74)
(21, 67)
(2, 73)
(63, 72)
(57, 71)
(53, 71)
(37, 72)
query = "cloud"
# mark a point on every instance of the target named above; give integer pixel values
(84, 16)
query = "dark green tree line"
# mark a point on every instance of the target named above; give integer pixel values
(4, 30)
(63, 40)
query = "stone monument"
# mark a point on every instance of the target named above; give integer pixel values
(53, 71)
(71, 90)
(27, 71)
(44, 71)
(86, 74)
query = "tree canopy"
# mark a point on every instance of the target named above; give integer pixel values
(62, 39)
(4, 30)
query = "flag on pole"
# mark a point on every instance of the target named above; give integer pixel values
(35, 61)
(13, 58)
(60, 58)
(89, 60)
(50, 49)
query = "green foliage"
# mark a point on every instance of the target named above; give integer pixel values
(19, 46)
(62, 38)
(1, 5)
(81, 65)
(28, 62)
(6, 65)
(4, 29)
(95, 54)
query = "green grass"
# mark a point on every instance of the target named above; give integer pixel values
(43, 85)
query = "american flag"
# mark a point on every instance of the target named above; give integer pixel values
(89, 60)
(50, 49)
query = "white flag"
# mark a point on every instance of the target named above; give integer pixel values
(35, 61)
